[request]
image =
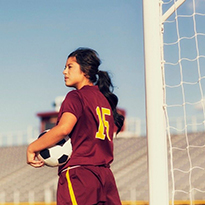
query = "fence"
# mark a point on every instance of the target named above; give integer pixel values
(134, 127)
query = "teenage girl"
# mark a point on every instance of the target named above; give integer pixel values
(88, 115)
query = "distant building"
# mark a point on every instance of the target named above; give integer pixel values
(47, 120)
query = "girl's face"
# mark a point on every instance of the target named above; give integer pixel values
(73, 75)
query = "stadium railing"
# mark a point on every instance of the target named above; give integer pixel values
(134, 127)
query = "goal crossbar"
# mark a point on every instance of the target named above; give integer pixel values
(172, 9)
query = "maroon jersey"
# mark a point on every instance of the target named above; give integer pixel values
(92, 135)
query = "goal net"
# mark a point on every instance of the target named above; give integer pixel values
(183, 65)
(174, 47)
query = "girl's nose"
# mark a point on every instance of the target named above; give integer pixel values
(64, 71)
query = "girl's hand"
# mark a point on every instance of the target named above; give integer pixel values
(32, 159)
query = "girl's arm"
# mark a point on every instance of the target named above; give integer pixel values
(53, 136)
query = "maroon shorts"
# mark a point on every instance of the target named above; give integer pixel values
(87, 185)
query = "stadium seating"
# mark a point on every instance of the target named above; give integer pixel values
(18, 180)
(17, 177)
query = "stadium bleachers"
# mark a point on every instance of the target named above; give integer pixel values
(17, 179)
(189, 166)
(130, 167)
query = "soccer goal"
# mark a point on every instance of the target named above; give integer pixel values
(174, 48)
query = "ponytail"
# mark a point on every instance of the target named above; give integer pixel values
(106, 88)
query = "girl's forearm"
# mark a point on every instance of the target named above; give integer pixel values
(49, 139)
(56, 134)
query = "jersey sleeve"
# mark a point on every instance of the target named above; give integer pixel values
(72, 104)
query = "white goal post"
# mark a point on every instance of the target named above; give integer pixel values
(155, 115)
(156, 134)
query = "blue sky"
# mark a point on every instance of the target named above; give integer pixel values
(185, 59)
(36, 38)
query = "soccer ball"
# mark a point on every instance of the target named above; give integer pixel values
(56, 155)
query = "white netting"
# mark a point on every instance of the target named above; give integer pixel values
(184, 83)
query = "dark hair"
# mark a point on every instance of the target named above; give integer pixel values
(89, 62)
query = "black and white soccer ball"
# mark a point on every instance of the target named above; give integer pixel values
(56, 155)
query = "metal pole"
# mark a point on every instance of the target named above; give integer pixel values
(156, 133)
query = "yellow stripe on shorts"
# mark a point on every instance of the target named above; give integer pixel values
(70, 187)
